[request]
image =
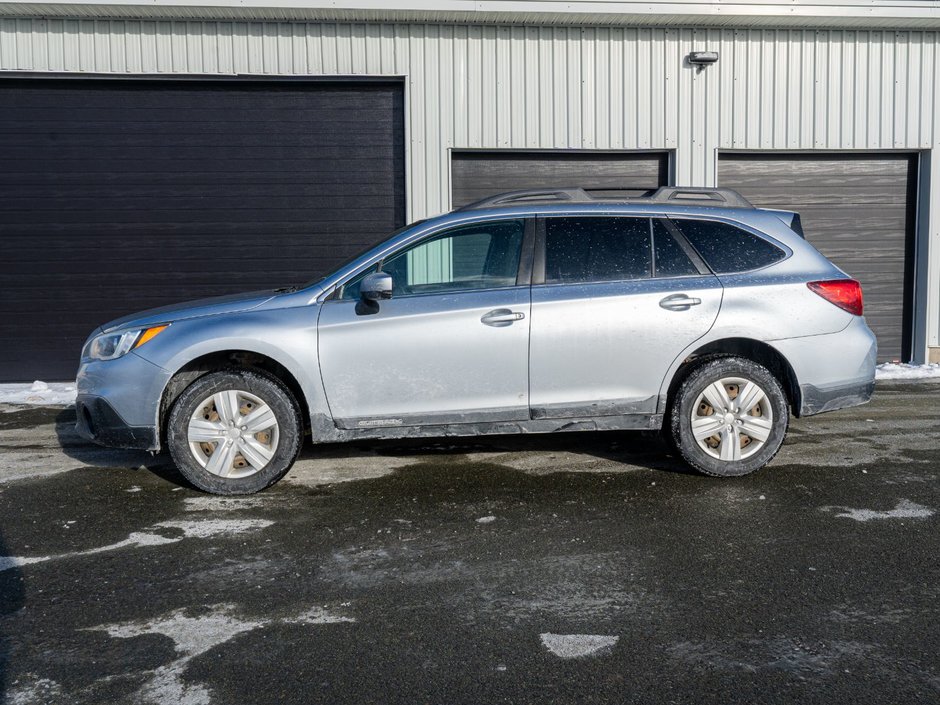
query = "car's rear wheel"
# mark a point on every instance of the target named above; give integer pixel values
(234, 432)
(729, 417)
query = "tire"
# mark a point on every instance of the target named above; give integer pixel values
(248, 462)
(696, 406)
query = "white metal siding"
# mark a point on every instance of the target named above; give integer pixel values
(559, 87)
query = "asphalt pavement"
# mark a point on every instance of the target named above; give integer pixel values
(577, 568)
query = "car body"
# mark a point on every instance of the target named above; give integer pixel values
(528, 345)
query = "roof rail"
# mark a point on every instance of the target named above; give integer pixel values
(676, 195)
(725, 197)
(546, 194)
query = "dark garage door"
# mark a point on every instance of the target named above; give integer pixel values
(858, 210)
(478, 174)
(120, 195)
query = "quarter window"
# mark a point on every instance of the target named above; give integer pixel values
(596, 249)
(726, 248)
(478, 256)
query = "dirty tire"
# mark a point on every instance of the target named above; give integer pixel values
(680, 418)
(268, 389)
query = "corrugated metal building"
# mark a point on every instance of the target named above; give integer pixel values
(251, 144)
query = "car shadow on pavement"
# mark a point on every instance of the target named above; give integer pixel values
(12, 599)
(88, 453)
(610, 448)
(645, 449)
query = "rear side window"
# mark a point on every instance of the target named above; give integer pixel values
(670, 260)
(596, 249)
(726, 248)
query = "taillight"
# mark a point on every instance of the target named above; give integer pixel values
(844, 293)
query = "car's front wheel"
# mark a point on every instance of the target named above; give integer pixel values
(729, 417)
(234, 432)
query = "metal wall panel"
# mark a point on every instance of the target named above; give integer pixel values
(490, 86)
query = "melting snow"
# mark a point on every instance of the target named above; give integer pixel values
(905, 509)
(193, 636)
(190, 529)
(893, 370)
(38, 393)
(577, 645)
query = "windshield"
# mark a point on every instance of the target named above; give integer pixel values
(360, 253)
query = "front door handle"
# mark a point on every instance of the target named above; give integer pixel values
(501, 317)
(679, 302)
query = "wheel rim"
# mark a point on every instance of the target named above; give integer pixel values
(233, 434)
(732, 419)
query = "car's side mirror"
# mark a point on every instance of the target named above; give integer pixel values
(376, 286)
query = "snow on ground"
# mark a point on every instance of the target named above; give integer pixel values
(893, 370)
(63, 393)
(38, 393)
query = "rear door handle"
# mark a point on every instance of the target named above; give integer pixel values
(501, 317)
(679, 302)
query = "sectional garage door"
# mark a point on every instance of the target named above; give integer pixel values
(119, 195)
(478, 174)
(858, 210)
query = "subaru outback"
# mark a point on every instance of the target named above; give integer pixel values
(687, 310)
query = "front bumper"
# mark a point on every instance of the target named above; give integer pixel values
(99, 422)
(118, 402)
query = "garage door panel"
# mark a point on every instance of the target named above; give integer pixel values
(825, 166)
(478, 174)
(858, 210)
(117, 194)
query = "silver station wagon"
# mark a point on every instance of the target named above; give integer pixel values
(687, 310)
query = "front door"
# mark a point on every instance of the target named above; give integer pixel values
(450, 346)
(619, 299)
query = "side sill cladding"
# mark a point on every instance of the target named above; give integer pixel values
(325, 431)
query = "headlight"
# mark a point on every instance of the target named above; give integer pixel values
(110, 346)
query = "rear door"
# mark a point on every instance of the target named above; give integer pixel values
(614, 301)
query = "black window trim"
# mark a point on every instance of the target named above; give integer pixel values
(787, 252)
(523, 272)
(686, 246)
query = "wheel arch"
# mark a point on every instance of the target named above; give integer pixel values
(748, 348)
(229, 359)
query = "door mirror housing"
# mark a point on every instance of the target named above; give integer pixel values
(376, 286)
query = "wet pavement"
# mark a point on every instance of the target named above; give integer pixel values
(572, 568)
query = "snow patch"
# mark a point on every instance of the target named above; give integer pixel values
(894, 370)
(577, 645)
(905, 509)
(38, 393)
(486, 520)
(204, 529)
(36, 691)
(222, 504)
(192, 637)
(318, 615)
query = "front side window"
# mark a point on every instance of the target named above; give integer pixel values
(478, 256)
(596, 249)
(726, 248)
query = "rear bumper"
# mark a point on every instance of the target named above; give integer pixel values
(817, 401)
(99, 422)
(834, 371)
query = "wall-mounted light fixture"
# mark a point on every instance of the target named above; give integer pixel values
(701, 59)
